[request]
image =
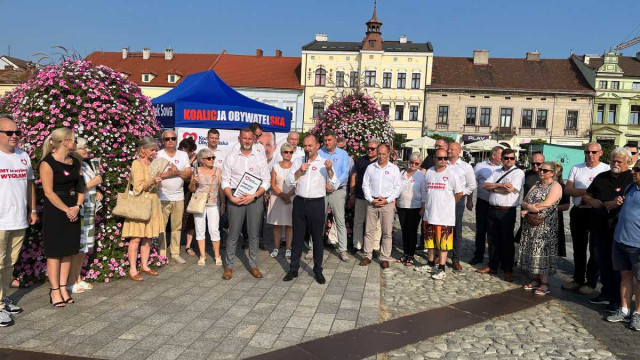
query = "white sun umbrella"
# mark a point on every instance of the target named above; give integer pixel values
(424, 142)
(483, 145)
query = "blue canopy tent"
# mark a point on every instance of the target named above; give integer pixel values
(203, 100)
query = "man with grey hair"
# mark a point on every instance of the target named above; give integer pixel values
(626, 251)
(294, 139)
(357, 200)
(601, 196)
(171, 192)
(580, 177)
(17, 209)
(483, 171)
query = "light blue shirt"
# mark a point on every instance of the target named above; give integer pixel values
(340, 160)
(628, 227)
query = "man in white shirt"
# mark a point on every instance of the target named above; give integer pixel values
(213, 137)
(248, 206)
(293, 139)
(381, 186)
(310, 179)
(505, 186)
(483, 171)
(440, 193)
(467, 179)
(17, 209)
(580, 177)
(171, 192)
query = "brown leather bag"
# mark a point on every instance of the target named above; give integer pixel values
(534, 219)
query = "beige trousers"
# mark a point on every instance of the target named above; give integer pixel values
(10, 244)
(379, 216)
(173, 210)
(359, 217)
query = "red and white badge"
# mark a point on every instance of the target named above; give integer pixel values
(445, 178)
(314, 168)
(23, 161)
(250, 169)
(247, 178)
(386, 172)
(618, 189)
(412, 181)
(66, 173)
(591, 178)
(176, 161)
(335, 159)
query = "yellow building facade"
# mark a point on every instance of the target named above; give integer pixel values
(394, 73)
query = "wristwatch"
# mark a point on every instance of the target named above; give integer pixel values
(79, 206)
(255, 198)
(34, 211)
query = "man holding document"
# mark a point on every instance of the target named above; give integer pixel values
(245, 178)
(309, 175)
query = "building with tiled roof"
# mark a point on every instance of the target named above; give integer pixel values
(13, 71)
(616, 79)
(394, 72)
(274, 80)
(512, 100)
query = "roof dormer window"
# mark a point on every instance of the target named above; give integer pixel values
(173, 78)
(146, 78)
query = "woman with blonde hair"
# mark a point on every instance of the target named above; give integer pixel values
(539, 243)
(92, 179)
(280, 209)
(63, 186)
(206, 180)
(140, 233)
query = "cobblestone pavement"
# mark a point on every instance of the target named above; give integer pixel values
(567, 327)
(189, 312)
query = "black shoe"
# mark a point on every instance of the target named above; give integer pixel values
(376, 254)
(290, 275)
(612, 308)
(476, 260)
(262, 246)
(599, 300)
(320, 278)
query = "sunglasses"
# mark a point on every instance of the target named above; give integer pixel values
(208, 158)
(544, 171)
(536, 163)
(372, 149)
(632, 152)
(170, 138)
(415, 163)
(287, 152)
(591, 152)
(10, 133)
(442, 158)
(635, 169)
(508, 158)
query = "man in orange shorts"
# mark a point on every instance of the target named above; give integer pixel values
(441, 192)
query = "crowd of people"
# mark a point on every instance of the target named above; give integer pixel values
(263, 196)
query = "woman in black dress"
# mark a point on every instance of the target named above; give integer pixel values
(63, 186)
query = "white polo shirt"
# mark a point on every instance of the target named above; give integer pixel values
(15, 173)
(382, 182)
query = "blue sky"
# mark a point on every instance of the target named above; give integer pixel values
(455, 28)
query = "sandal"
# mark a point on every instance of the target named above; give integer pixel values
(534, 284)
(409, 262)
(540, 291)
(70, 299)
(59, 303)
(218, 261)
(402, 259)
(190, 251)
(202, 261)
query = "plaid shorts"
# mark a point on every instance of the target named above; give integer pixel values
(438, 236)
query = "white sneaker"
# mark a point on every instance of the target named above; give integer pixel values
(287, 254)
(422, 269)
(5, 318)
(274, 253)
(77, 288)
(85, 285)
(178, 259)
(439, 275)
(586, 290)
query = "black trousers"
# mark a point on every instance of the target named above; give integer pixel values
(501, 224)
(409, 221)
(307, 215)
(482, 235)
(583, 240)
(610, 279)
